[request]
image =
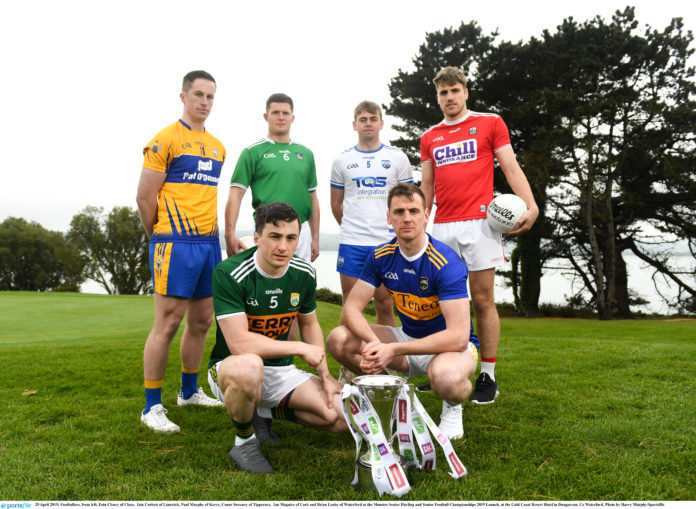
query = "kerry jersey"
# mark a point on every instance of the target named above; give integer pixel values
(418, 284)
(278, 172)
(187, 201)
(366, 178)
(270, 304)
(463, 154)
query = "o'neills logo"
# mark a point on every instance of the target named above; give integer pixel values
(503, 211)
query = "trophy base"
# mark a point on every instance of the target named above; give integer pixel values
(365, 482)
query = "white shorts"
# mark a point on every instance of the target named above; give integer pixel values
(418, 364)
(278, 381)
(304, 244)
(474, 241)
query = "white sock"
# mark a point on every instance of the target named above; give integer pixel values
(241, 441)
(447, 405)
(489, 369)
(264, 412)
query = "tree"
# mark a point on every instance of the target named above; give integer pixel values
(35, 259)
(116, 247)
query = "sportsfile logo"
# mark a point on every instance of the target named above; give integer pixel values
(455, 153)
(18, 505)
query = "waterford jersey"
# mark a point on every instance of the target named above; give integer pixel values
(278, 172)
(463, 154)
(270, 304)
(187, 201)
(366, 178)
(418, 284)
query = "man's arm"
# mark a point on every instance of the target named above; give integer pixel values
(337, 204)
(234, 203)
(314, 224)
(149, 185)
(428, 184)
(310, 332)
(352, 316)
(240, 340)
(520, 186)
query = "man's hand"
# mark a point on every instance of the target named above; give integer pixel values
(331, 387)
(312, 355)
(376, 357)
(526, 221)
(315, 249)
(234, 245)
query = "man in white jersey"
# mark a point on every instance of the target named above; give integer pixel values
(457, 158)
(361, 178)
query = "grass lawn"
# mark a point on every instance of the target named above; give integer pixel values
(588, 410)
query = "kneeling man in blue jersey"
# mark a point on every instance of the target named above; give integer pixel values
(257, 294)
(427, 281)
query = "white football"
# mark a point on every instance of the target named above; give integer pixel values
(504, 212)
(248, 241)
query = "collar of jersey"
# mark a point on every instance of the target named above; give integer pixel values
(460, 119)
(419, 253)
(263, 272)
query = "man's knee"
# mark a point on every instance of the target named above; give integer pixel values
(336, 341)
(244, 374)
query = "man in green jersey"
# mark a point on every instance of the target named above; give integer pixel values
(276, 169)
(257, 294)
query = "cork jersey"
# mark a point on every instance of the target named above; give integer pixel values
(366, 178)
(278, 172)
(463, 154)
(270, 304)
(187, 201)
(418, 284)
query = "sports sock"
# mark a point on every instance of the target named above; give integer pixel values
(153, 394)
(245, 431)
(189, 382)
(284, 413)
(488, 366)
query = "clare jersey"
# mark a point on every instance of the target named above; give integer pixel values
(278, 172)
(463, 154)
(418, 283)
(187, 201)
(366, 178)
(270, 304)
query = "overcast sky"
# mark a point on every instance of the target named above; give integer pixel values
(87, 84)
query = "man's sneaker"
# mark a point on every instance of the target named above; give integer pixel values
(249, 457)
(451, 421)
(262, 429)
(198, 398)
(156, 420)
(423, 387)
(485, 391)
(345, 376)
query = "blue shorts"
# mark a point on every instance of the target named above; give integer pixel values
(352, 258)
(184, 269)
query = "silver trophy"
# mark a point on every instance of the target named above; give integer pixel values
(382, 391)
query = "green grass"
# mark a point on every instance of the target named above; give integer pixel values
(588, 410)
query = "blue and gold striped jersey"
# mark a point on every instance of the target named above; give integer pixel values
(187, 201)
(418, 284)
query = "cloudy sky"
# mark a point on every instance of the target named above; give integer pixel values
(87, 84)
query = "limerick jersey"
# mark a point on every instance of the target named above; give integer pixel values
(270, 303)
(418, 283)
(187, 201)
(278, 172)
(366, 178)
(463, 154)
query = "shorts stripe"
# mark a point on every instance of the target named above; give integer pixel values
(161, 262)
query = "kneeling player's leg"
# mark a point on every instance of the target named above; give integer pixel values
(308, 402)
(345, 347)
(450, 374)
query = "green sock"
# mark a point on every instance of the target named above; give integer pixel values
(284, 413)
(244, 429)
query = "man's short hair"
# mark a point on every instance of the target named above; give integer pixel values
(407, 190)
(368, 106)
(273, 213)
(449, 76)
(193, 76)
(279, 98)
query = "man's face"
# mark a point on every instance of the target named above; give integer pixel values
(368, 125)
(452, 100)
(408, 217)
(279, 117)
(277, 244)
(198, 100)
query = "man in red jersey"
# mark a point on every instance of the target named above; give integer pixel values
(457, 158)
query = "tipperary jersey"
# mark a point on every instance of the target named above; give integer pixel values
(240, 286)
(463, 153)
(278, 172)
(418, 283)
(366, 178)
(187, 201)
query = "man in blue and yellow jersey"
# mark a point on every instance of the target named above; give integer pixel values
(276, 168)
(427, 281)
(177, 201)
